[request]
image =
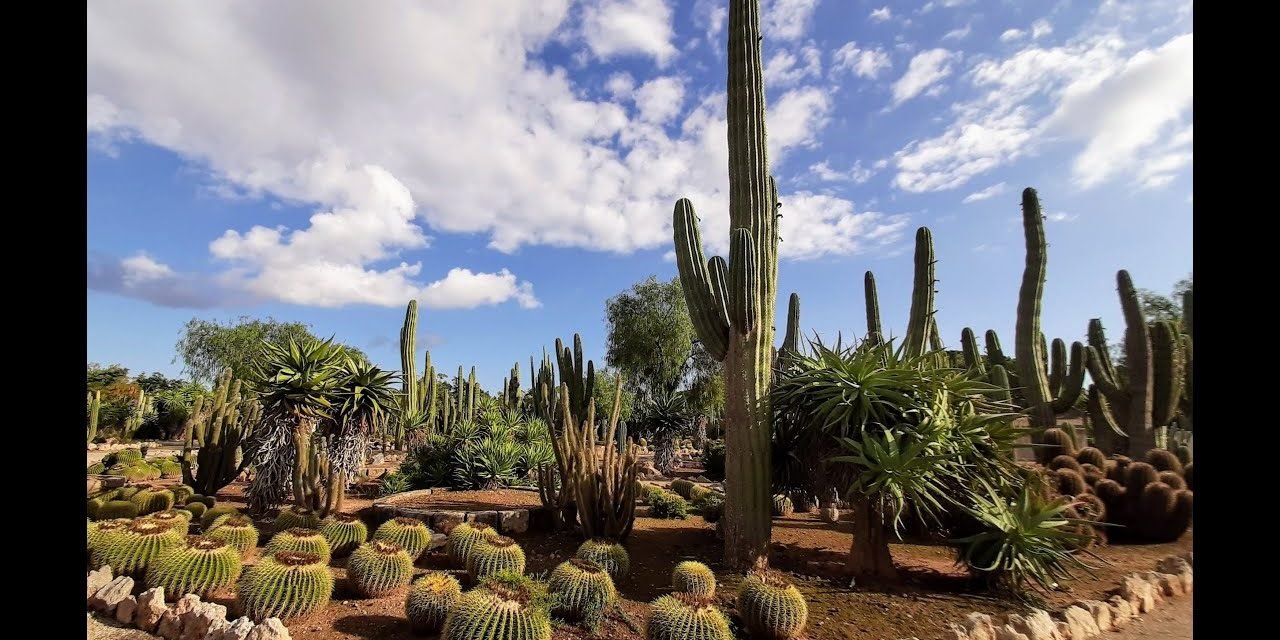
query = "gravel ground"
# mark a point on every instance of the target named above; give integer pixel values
(1170, 622)
(100, 629)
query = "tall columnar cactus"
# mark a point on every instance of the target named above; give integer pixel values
(1131, 399)
(408, 344)
(141, 408)
(1185, 406)
(1047, 390)
(1168, 372)
(791, 340)
(219, 426)
(575, 390)
(601, 485)
(471, 395)
(95, 403)
(875, 333)
(511, 388)
(921, 331)
(427, 392)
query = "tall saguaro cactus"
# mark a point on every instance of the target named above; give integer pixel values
(408, 344)
(921, 333)
(732, 304)
(95, 403)
(875, 333)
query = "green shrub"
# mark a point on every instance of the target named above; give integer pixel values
(713, 460)
(286, 585)
(711, 506)
(668, 505)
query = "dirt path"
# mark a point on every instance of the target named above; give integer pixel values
(100, 629)
(1170, 622)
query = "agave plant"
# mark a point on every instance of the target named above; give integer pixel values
(664, 416)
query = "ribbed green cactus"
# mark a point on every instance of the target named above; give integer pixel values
(791, 339)
(344, 532)
(610, 555)
(506, 606)
(98, 530)
(285, 585)
(409, 534)
(681, 616)
(875, 332)
(196, 509)
(208, 501)
(920, 319)
(1163, 460)
(117, 509)
(408, 345)
(694, 578)
(1069, 482)
(129, 549)
(92, 505)
(464, 538)
(782, 506)
(295, 518)
(213, 513)
(95, 403)
(201, 566)
(179, 519)
(583, 591)
(300, 540)
(181, 493)
(430, 600)
(771, 606)
(683, 488)
(238, 531)
(379, 568)
(219, 426)
(152, 499)
(494, 555)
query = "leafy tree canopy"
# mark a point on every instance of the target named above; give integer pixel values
(99, 376)
(207, 347)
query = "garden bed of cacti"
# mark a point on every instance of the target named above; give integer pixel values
(481, 500)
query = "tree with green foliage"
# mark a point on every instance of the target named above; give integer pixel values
(208, 347)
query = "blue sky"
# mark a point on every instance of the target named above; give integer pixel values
(513, 165)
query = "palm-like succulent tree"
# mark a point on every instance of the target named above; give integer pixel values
(365, 398)
(663, 416)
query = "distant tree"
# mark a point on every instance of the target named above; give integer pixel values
(606, 385)
(208, 347)
(155, 382)
(650, 335)
(99, 376)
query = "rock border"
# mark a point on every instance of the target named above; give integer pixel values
(1138, 593)
(507, 521)
(188, 618)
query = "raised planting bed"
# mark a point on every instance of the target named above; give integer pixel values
(511, 511)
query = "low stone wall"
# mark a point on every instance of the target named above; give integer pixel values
(187, 619)
(507, 521)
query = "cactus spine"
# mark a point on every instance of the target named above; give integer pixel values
(95, 403)
(219, 426)
(507, 606)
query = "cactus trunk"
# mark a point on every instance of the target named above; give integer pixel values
(95, 403)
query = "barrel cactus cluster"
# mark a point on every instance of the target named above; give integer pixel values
(430, 600)
(128, 550)
(409, 534)
(493, 555)
(203, 566)
(464, 538)
(238, 531)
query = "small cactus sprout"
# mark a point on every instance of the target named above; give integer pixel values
(491, 556)
(285, 585)
(681, 616)
(782, 506)
(694, 578)
(379, 568)
(238, 531)
(583, 591)
(507, 605)
(128, 550)
(610, 555)
(344, 532)
(179, 519)
(411, 535)
(300, 540)
(464, 538)
(295, 519)
(213, 513)
(771, 606)
(430, 600)
(202, 566)
(117, 509)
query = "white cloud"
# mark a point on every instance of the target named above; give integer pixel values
(462, 289)
(785, 68)
(797, 119)
(1012, 34)
(711, 16)
(990, 192)
(659, 100)
(786, 19)
(817, 225)
(1161, 168)
(620, 85)
(959, 34)
(856, 174)
(620, 27)
(865, 63)
(925, 69)
(880, 15)
(949, 4)
(1040, 28)
(1060, 216)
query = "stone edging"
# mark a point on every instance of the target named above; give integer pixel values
(1137, 594)
(508, 521)
(188, 618)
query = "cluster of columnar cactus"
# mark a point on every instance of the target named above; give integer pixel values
(285, 585)
(217, 430)
(201, 565)
(409, 534)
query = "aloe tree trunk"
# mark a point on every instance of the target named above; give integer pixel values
(869, 558)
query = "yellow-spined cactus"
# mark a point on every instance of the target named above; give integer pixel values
(772, 607)
(430, 600)
(379, 568)
(694, 578)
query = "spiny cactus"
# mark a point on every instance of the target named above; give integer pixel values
(464, 538)
(207, 501)
(782, 506)
(95, 403)
(213, 513)
(117, 509)
(127, 457)
(238, 531)
(1163, 460)
(1091, 474)
(664, 504)
(202, 566)
(196, 509)
(98, 530)
(129, 549)
(682, 488)
(610, 555)
(1138, 475)
(583, 591)
(300, 540)
(216, 430)
(493, 555)
(1163, 513)
(681, 616)
(153, 499)
(286, 585)
(507, 606)
(1189, 476)
(409, 534)
(181, 493)
(294, 518)
(96, 469)
(771, 606)
(1069, 482)
(1054, 442)
(1174, 480)
(344, 532)
(430, 600)
(694, 578)
(379, 568)
(1065, 462)
(179, 519)
(1093, 456)
(92, 505)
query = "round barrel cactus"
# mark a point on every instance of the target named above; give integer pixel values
(506, 605)
(293, 518)
(285, 585)
(213, 513)
(430, 600)
(683, 488)
(344, 532)
(117, 509)
(681, 616)
(610, 555)
(694, 578)
(583, 591)
(202, 566)
(238, 531)
(179, 519)
(92, 506)
(153, 499)
(182, 493)
(100, 528)
(196, 509)
(411, 535)
(128, 550)
(782, 506)
(771, 607)
(464, 537)
(300, 540)
(497, 554)
(379, 568)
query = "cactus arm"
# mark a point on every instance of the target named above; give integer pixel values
(995, 354)
(1073, 381)
(1000, 379)
(1137, 349)
(916, 342)
(875, 332)
(408, 344)
(1027, 341)
(1167, 358)
(743, 277)
(708, 311)
(969, 347)
(1057, 364)
(1107, 435)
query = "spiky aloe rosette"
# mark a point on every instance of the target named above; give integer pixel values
(412, 535)
(610, 555)
(379, 568)
(464, 538)
(293, 518)
(129, 549)
(681, 616)
(771, 606)
(507, 605)
(491, 556)
(213, 513)
(430, 600)
(583, 591)
(694, 578)
(238, 531)
(285, 585)
(345, 533)
(178, 519)
(202, 566)
(117, 509)
(300, 540)
(99, 529)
